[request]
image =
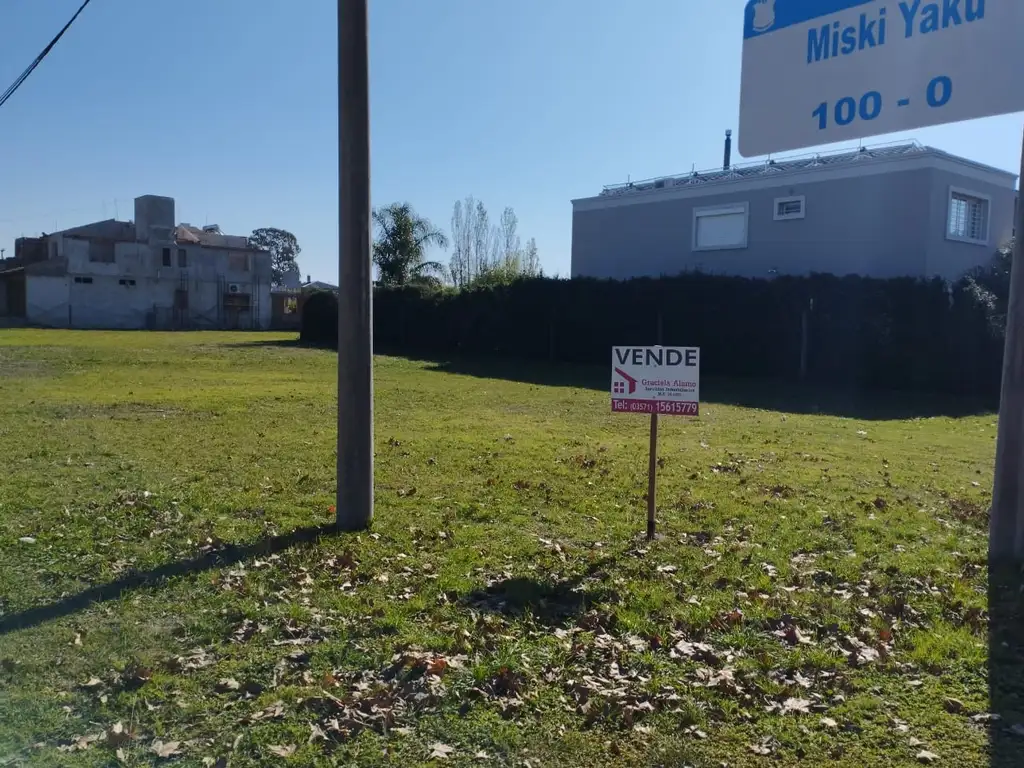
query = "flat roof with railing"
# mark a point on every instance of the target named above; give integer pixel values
(825, 159)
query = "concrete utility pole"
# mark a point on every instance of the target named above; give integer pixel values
(1006, 526)
(355, 311)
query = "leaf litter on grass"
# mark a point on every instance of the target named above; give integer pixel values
(794, 586)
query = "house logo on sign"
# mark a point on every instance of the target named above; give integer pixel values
(764, 15)
(625, 382)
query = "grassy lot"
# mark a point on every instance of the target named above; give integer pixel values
(817, 594)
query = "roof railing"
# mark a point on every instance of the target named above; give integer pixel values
(768, 165)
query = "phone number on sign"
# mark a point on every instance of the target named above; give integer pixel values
(668, 407)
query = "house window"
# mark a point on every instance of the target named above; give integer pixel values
(182, 258)
(166, 257)
(720, 228)
(968, 217)
(789, 208)
(126, 281)
(86, 280)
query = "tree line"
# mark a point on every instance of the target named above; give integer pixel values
(483, 253)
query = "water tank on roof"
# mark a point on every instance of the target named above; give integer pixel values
(212, 228)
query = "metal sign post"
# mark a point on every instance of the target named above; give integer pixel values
(1006, 520)
(355, 315)
(652, 477)
(655, 380)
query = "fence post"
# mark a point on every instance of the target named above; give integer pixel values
(804, 330)
(552, 355)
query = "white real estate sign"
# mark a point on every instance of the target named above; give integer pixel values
(664, 380)
(822, 71)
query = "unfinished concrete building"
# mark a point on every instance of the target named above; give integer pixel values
(149, 273)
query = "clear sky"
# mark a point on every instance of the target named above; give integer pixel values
(230, 107)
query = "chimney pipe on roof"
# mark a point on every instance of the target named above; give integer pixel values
(728, 151)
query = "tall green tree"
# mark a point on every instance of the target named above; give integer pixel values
(401, 243)
(284, 250)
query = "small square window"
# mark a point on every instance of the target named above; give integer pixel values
(789, 208)
(166, 257)
(968, 217)
(85, 280)
(182, 258)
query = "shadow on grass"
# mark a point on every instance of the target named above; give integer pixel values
(765, 394)
(1006, 668)
(781, 396)
(225, 556)
(269, 344)
(549, 600)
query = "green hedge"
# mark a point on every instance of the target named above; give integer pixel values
(320, 319)
(865, 333)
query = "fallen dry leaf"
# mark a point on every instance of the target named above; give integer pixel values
(437, 666)
(759, 749)
(117, 735)
(984, 717)
(165, 748)
(954, 706)
(802, 706)
(925, 756)
(283, 751)
(441, 751)
(82, 742)
(227, 684)
(829, 723)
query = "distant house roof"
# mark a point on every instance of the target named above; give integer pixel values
(108, 229)
(186, 233)
(124, 231)
(789, 165)
(319, 285)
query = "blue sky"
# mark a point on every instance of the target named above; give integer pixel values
(230, 106)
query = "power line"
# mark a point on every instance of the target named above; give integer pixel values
(38, 59)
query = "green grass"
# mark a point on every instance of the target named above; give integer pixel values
(816, 594)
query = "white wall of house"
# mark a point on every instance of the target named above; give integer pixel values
(47, 300)
(137, 290)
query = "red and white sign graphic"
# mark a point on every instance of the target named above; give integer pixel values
(656, 380)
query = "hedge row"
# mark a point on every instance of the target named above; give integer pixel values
(860, 332)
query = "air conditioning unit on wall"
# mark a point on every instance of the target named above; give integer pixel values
(234, 288)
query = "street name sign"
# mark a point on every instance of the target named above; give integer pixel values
(823, 71)
(656, 380)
